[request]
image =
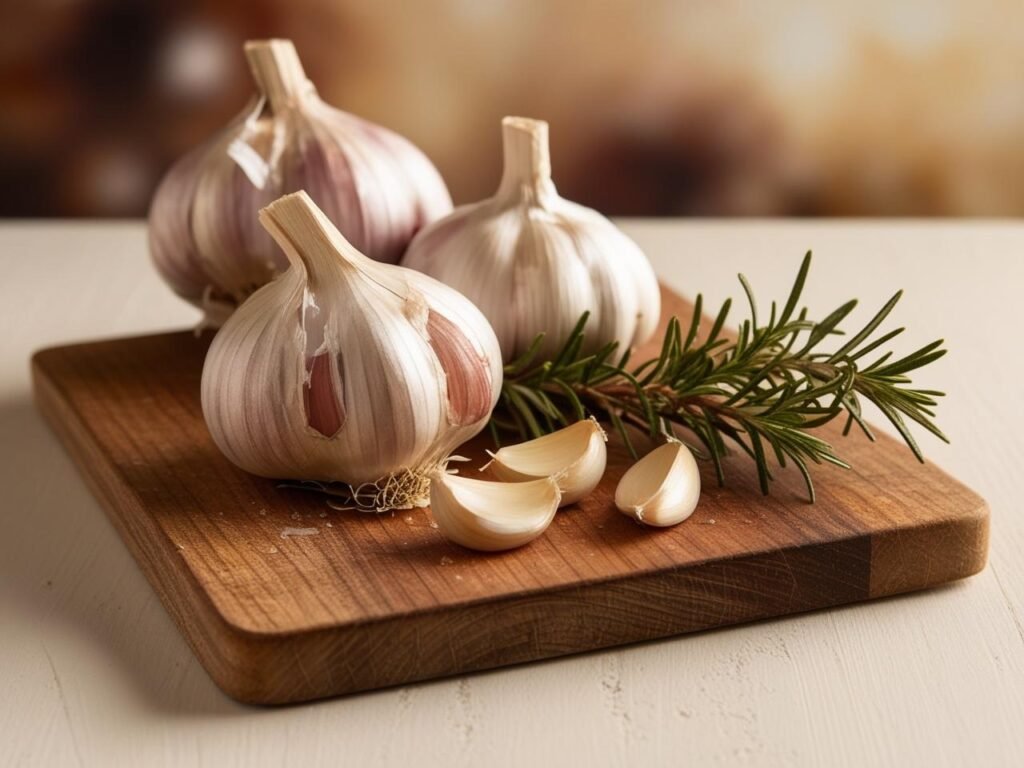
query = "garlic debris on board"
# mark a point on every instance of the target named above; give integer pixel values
(575, 457)
(534, 263)
(490, 516)
(345, 369)
(374, 185)
(662, 488)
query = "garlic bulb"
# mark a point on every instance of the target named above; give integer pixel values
(534, 263)
(348, 370)
(661, 489)
(575, 457)
(489, 516)
(374, 185)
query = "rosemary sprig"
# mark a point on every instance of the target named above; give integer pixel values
(762, 391)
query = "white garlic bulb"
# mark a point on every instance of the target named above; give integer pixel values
(534, 263)
(376, 186)
(574, 457)
(348, 370)
(489, 516)
(662, 488)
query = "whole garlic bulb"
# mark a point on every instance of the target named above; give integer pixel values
(348, 370)
(374, 185)
(534, 263)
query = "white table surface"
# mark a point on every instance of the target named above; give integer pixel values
(93, 671)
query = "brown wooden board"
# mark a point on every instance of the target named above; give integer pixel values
(368, 601)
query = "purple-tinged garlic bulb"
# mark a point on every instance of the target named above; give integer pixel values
(373, 184)
(348, 370)
(534, 262)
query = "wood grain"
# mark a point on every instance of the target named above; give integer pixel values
(284, 600)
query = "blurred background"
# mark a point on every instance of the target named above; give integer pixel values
(827, 108)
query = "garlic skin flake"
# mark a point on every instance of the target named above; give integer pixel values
(348, 370)
(575, 457)
(204, 237)
(662, 488)
(534, 263)
(491, 517)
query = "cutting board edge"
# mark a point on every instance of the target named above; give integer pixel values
(240, 667)
(201, 624)
(963, 553)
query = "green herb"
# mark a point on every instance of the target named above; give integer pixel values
(763, 390)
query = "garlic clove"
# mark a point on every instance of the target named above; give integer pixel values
(489, 516)
(662, 488)
(575, 457)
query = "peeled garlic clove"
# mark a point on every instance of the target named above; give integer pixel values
(489, 516)
(534, 263)
(204, 236)
(575, 457)
(661, 489)
(348, 370)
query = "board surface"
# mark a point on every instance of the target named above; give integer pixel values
(284, 599)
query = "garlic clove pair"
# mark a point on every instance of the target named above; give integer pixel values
(535, 478)
(489, 516)
(662, 488)
(575, 457)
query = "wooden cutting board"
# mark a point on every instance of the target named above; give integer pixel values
(284, 600)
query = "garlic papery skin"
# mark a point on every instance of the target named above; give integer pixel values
(534, 262)
(204, 236)
(574, 456)
(492, 516)
(662, 488)
(348, 370)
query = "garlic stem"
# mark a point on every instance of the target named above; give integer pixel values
(527, 169)
(308, 238)
(278, 72)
